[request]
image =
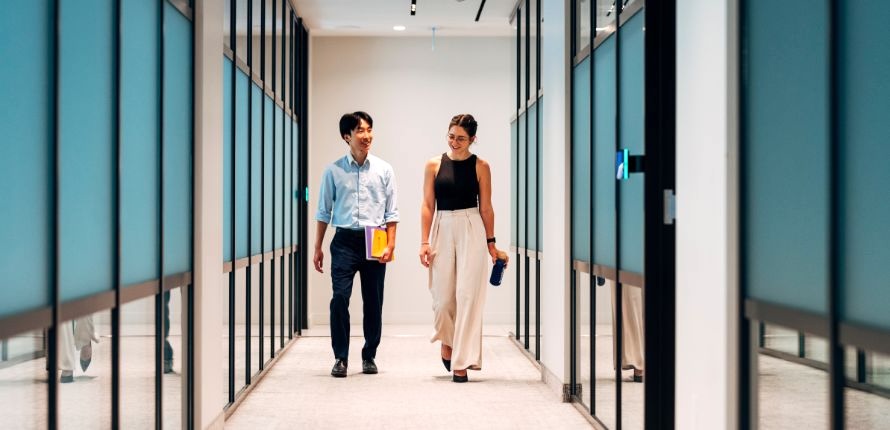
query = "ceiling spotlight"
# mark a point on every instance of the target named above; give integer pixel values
(398, 27)
(413, 7)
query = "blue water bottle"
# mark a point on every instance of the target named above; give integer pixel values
(497, 272)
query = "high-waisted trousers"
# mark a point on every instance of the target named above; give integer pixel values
(458, 284)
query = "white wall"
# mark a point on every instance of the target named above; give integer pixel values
(705, 293)
(411, 91)
(208, 296)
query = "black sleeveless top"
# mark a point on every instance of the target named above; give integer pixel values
(456, 184)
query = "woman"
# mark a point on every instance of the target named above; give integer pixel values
(457, 189)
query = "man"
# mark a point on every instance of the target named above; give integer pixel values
(357, 190)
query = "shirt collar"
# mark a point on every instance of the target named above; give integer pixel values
(351, 160)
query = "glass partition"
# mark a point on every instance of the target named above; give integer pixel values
(23, 379)
(814, 249)
(23, 35)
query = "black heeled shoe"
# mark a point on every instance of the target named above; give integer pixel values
(459, 379)
(447, 364)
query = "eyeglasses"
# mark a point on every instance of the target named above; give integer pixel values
(459, 139)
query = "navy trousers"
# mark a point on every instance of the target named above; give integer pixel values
(347, 258)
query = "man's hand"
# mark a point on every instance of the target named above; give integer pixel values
(387, 255)
(318, 260)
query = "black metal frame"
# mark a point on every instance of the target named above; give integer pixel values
(159, 303)
(53, 342)
(619, 290)
(590, 273)
(516, 168)
(525, 105)
(574, 390)
(538, 146)
(660, 251)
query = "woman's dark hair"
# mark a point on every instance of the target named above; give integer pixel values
(465, 121)
(351, 121)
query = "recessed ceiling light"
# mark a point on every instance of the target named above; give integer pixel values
(398, 27)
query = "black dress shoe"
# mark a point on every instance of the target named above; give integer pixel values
(460, 379)
(339, 369)
(369, 367)
(447, 364)
(67, 377)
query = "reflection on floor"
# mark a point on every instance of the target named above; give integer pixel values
(412, 390)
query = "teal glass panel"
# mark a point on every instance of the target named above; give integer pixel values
(864, 129)
(86, 145)
(177, 142)
(581, 161)
(277, 190)
(25, 121)
(631, 131)
(785, 206)
(295, 191)
(514, 180)
(228, 199)
(604, 111)
(532, 177)
(242, 85)
(288, 174)
(540, 143)
(523, 181)
(269, 111)
(140, 111)
(256, 158)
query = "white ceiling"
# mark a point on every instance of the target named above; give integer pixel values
(377, 17)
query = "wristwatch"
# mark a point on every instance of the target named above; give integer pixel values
(490, 240)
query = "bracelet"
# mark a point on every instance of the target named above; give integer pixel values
(424, 243)
(490, 240)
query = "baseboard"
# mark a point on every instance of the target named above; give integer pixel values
(256, 380)
(559, 388)
(556, 385)
(218, 423)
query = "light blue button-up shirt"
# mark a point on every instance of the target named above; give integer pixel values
(354, 196)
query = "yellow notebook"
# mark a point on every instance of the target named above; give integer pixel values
(375, 242)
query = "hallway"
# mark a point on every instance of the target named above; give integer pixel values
(411, 390)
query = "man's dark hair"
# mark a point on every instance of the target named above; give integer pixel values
(351, 121)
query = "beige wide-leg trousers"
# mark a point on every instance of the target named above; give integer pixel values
(632, 356)
(458, 284)
(73, 336)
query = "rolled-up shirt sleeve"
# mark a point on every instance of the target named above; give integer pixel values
(326, 196)
(391, 210)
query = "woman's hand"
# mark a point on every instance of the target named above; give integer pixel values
(496, 253)
(425, 255)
